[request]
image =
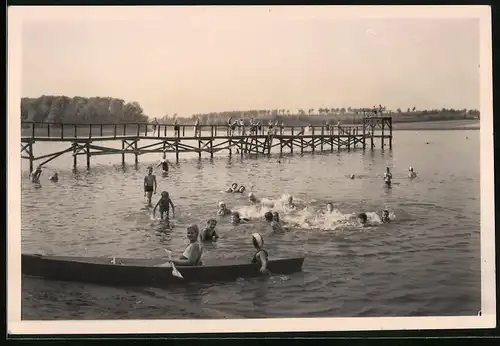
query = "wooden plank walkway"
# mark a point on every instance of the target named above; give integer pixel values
(202, 139)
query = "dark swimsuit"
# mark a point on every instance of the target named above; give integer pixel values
(256, 259)
(164, 166)
(164, 205)
(208, 234)
(149, 188)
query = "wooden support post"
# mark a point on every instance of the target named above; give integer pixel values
(101, 130)
(87, 149)
(136, 152)
(75, 150)
(62, 131)
(349, 137)
(199, 148)
(390, 134)
(114, 131)
(364, 133)
(331, 144)
(33, 132)
(301, 145)
(177, 150)
(123, 152)
(338, 142)
(165, 131)
(31, 156)
(322, 137)
(124, 129)
(48, 130)
(184, 130)
(383, 135)
(281, 146)
(90, 131)
(230, 147)
(164, 146)
(211, 148)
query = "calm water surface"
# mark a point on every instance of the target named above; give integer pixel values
(426, 262)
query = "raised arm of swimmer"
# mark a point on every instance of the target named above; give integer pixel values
(156, 206)
(173, 207)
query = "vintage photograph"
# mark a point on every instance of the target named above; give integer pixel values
(228, 163)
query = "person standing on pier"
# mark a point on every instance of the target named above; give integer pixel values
(197, 130)
(177, 128)
(164, 163)
(149, 184)
(155, 125)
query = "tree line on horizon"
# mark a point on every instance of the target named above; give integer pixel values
(83, 110)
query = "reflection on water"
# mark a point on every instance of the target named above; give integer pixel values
(410, 266)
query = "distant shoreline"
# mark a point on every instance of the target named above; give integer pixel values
(437, 125)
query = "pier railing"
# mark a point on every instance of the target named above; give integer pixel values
(30, 129)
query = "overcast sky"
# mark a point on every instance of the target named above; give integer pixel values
(188, 60)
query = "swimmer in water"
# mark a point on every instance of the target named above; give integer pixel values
(276, 218)
(275, 226)
(55, 177)
(385, 216)
(352, 176)
(35, 175)
(194, 251)
(164, 163)
(388, 177)
(223, 210)
(209, 233)
(261, 256)
(241, 189)
(233, 188)
(252, 198)
(149, 184)
(289, 202)
(236, 219)
(329, 208)
(363, 218)
(165, 203)
(411, 173)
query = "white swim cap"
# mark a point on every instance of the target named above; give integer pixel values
(258, 238)
(221, 204)
(250, 194)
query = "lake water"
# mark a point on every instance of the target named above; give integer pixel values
(425, 262)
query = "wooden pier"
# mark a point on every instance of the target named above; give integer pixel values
(84, 139)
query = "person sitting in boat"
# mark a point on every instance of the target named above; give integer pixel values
(252, 198)
(236, 219)
(261, 256)
(385, 216)
(241, 189)
(275, 226)
(164, 163)
(233, 188)
(411, 173)
(165, 202)
(209, 233)
(35, 175)
(194, 251)
(223, 209)
(388, 177)
(54, 177)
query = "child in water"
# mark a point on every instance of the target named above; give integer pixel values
(388, 177)
(411, 173)
(329, 208)
(194, 251)
(233, 188)
(276, 218)
(385, 216)
(54, 178)
(236, 219)
(35, 175)
(252, 199)
(275, 226)
(289, 203)
(223, 210)
(261, 256)
(363, 218)
(165, 202)
(209, 233)
(241, 189)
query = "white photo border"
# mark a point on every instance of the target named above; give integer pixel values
(17, 15)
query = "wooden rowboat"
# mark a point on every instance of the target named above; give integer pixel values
(144, 272)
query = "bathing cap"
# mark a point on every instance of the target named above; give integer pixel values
(221, 204)
(250, 194)
(258, 239)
